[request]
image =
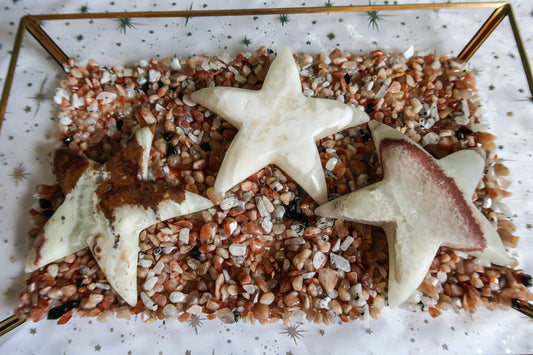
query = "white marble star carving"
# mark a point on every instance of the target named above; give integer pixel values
(421, 203)
(277, 125)
(105, 209)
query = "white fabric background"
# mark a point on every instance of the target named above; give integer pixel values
(26, 139)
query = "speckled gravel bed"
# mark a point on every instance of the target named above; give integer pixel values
(262, 255)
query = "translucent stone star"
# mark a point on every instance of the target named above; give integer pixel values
(421, 203)
(105, 209)
(277, 125)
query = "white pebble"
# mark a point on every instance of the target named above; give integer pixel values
(228, 203)
(148, 303)
(487, 202)
(461, 120)
(442, 277)
(430, 138)
(153, 75)
(261, 208)
(414, 298)
(267, 225)
(175, 64)
(188, 101)
(436, 64)
(184, 235)
(295, 241)
(324, 303)
(308, 275)
(225, 315)
(346, 243)
(194, 264)
(298, 317)
(278, 213)
(325, 222)
(170, 310)
(102, 286)
(249, 288)
(150, 283)
(195, 309)
(77, 101)
(60, 94)
(237, 249)
(168, 249)
(106, 77)
(278, 228)
(268, 204)
(330, 165)
(267, 298)
(318, 259)
(55, 293)
(52, 269)
(177, 297)
(339, 262)
(356, 292)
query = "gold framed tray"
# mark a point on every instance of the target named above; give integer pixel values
(46, 31)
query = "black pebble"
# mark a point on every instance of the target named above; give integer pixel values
(205, 146)
(301, 193)
(369, 107)
(44, 203)
(527, 281)
(347, 78)
(305, 220)
(171, 150)
(120, 124)
(237, 315)
(321, 149)
(290, 210)
(57, 312)
(168, 135)
(144, 87)
(48, 213)
(459, 135)
(67, 140)
(79, 283)
(515, 303)
(195, 253)
(466, 131)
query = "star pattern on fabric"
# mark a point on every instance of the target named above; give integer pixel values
(422, 204)
(105, 209)
(277, 125)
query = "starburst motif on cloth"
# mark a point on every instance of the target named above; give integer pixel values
(125, 23)
(19, 174)
(277, 125)
(283, 19)
(105, 209)
(195, 322)
(374, 18)
(421, 203)
(187, 18)
(40, 96)
(294, 333)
